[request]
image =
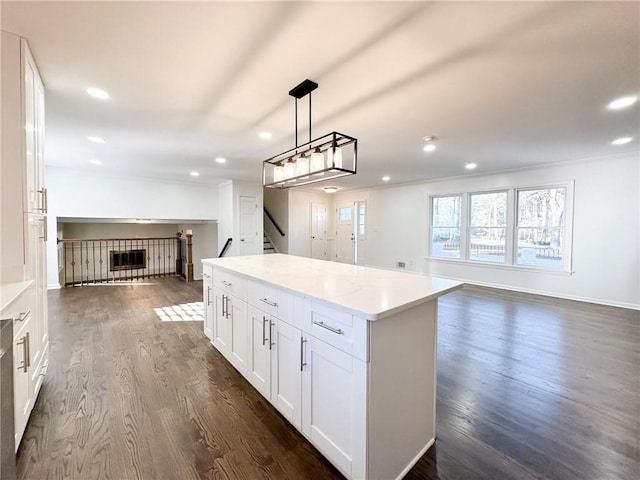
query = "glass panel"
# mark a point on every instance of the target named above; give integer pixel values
(487, 229)
(445, 226)
(345, 213)
(540, 232)
(361, 206)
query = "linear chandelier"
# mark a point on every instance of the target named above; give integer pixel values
(331, 156)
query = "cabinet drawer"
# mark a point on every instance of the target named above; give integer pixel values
(229, 282)
(20, 310)
(340, 329)
(271, 300)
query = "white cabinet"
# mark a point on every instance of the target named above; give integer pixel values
(208, 300)
(275, 363)
(23, 209)
(360, 389)
(230, 328)
(334, 405)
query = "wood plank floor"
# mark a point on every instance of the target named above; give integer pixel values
(528, 387)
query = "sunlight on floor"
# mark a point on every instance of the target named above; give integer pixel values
(185, 312)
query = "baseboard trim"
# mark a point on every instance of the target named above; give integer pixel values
(416, 459)
(596, 301)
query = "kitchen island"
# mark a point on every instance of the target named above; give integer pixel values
(346, 353)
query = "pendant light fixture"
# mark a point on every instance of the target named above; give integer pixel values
(331, 156)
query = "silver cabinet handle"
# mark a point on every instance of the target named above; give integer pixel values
(224, 314)
(24, 365)
(22, 316)
(45, 233)
(28, 357)
(225, 283)
(302, 362)
(271, 344)
(208, 295)
(45, 195)
(264, 338)
(331, 329)
(269, 302)
(228, 312)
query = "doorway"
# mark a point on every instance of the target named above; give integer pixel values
(319, 231)
(248, 225)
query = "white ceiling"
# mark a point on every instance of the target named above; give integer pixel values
(504, 84)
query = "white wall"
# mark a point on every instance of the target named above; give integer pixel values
(78, 194)
(606, 230)
(229, 194)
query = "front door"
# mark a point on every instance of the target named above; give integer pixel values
(248, 226)
(319, 231)
(345, 238)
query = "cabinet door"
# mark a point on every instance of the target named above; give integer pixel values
(32, 132)
(286, 373)
(208, 300)
(221, 322)
(334, 405)
(259, 355)
(21, 378)
(238, 344)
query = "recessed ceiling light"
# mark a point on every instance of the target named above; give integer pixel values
(386, 178)
(622, 102)
(97, 93)
(265, 135)
(621, 141)
(96, 139)
(221, 160)
(194, 174)
(429, 147)
(330, 189)
(470, 165)
(143, 220)
(95, 161)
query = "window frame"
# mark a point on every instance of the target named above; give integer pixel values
(511, 234)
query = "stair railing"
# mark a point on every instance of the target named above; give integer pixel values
(275, 224)
(225, 248)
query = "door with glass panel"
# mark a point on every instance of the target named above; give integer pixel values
(345, 237)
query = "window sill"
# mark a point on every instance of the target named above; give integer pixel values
(498, 266)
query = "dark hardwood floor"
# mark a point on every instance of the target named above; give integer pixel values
(528, 387)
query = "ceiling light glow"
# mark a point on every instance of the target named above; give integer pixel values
(95, 139)
(622, 102)
(470, 165)
(265, 135)
(429, 147)
(194, 174)
(98, 93)
(621, 141)
(386, 178)
(221, 160)
(330, 189)
(95, 161)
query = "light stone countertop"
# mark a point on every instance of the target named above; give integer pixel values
(372, 293)
(10, 291)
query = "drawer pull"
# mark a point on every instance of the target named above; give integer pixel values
(302, 362)
(331, 329)
(269, 302)
(225, 283)
(264, 333)
(22, 316)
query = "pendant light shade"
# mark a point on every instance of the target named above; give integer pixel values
(278, 173)
(317, 161)
(334, 157)
(290, 169)
(339, 150)
(302, 165)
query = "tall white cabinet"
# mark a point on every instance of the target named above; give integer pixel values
(23, 216)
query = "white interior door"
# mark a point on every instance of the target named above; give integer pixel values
(248, 226)
(345, 238)
(360, 232)
(319, 231)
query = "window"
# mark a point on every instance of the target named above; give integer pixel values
(360, 206)
(517, 227)
(344, 213)
(488, 227)
(446, 213)
(540, 227)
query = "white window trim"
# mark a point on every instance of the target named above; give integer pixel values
(510, 247)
